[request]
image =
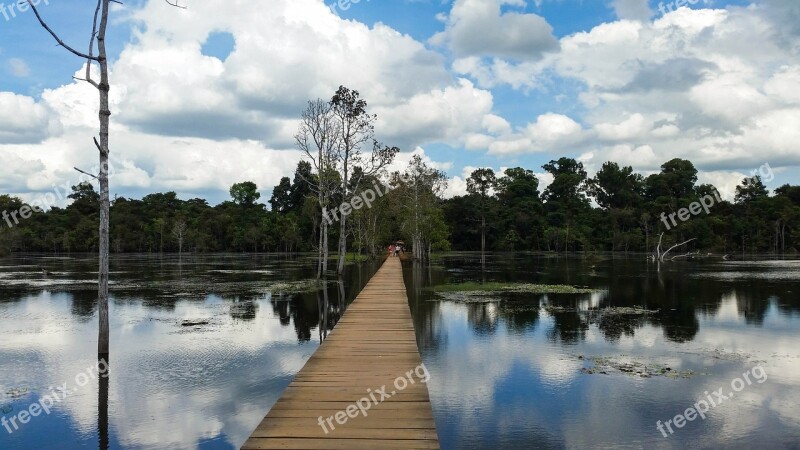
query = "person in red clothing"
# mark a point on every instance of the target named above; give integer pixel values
(391, 250)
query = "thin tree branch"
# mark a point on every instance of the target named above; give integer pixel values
(97, 144)
(175, 4)
(91, 46)
(88, 80)
(664, 256)
(55, 36)
(85, 173)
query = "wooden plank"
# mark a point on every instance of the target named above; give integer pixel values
(336, 444)
(372, 345)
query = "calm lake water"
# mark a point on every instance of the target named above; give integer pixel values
(512, 371)
(170, 386)
(526, 371)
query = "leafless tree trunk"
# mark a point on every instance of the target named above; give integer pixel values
(317, 138)
(418, 190)
(179, 230)
(661, 257)
(98, 33)
(356, 128)
(99, 27)
(323, 229)
(782, 237)
(664, 256)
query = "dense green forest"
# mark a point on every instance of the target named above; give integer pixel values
(507, 211)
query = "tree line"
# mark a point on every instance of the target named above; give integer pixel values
(343, 161)
(289, 222)
(344, 169)
(505, 213)
(619, 210)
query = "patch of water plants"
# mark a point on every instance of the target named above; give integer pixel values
(297, 287)
(624, 365)
(493, 291)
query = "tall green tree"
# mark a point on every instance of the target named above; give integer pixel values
(520, 201)
(282, 200)
(245, 194)
(619, 190)
(565, 200)
(481, 185)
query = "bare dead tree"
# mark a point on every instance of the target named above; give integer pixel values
(356, 129)
(179, 231)
(661, 257)
(664, 256)
(97, 40)
(317, 139)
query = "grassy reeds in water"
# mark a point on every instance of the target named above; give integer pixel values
(514, 287)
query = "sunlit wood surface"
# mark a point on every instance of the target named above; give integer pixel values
(371, 346)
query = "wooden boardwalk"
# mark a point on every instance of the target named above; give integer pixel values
(371, 346)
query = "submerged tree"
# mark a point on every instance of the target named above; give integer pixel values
(98, 36)
(355, 129)
(317, 138)
(417, 191)
(97, 40)
(179, 232)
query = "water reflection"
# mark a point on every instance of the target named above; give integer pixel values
(507, 373)
(244, 310)
(102, 404)
(174, 385)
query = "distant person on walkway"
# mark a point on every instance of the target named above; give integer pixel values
(391, 250)
(397, 251)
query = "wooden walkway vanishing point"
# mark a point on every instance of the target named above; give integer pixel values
(372, 345)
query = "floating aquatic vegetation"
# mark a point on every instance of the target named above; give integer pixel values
(625, 365)
(723, 355)
(599, 313)
(491, 292)
(468, 297)
(517, 307)
(554, 309)
(16, 393)
(245, 272)
(297, 287)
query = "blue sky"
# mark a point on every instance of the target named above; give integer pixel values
(209, 96)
